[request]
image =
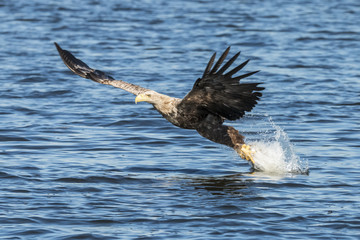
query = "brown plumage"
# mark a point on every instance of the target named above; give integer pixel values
(215, 97)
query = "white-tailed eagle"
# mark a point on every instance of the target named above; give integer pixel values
(215, 97)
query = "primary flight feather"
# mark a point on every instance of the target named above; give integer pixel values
(215, 97)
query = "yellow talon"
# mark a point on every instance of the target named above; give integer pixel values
(247, 153)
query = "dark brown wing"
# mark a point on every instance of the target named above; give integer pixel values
(83, 70)
(222, 94)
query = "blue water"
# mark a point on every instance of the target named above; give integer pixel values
(79, 160)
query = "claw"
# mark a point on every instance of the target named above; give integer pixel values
(247, 153)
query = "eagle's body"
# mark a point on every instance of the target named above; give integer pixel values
(214, 98)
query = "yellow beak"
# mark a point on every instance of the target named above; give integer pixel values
(141, 98)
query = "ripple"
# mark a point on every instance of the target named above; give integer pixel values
(14, 220)
(87, 236)
(5, 175)
(12, 139)
(35, 232)
(103, 179)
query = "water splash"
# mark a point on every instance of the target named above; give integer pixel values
(274, 153)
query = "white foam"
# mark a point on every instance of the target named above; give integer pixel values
(268, 156)
(274, 153)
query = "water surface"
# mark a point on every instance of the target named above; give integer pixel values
(79, 160)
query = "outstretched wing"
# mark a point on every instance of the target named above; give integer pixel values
(83, 70)
(222, 94)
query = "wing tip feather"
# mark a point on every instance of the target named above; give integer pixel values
(220, 60)
(58, 47)
(74, 64)
(209, 65)
(238, 78)
(228, 64)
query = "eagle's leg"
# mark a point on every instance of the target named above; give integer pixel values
(246, 152)
(213, 129)
(240, 147)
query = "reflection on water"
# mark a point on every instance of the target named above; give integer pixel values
(226, 185)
